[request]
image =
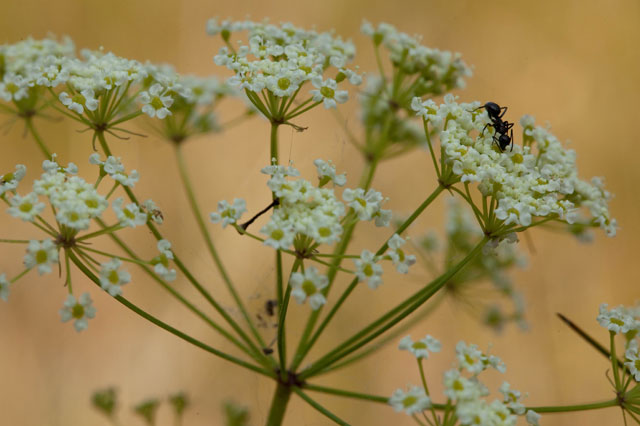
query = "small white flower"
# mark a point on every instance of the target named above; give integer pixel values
(41, 254)
(112, 279)
(80, 101)
(229, 213)
(632, 362)
(366, 205)
(383, 217)
(327, 93)
(161, 262)
(428, 110)
(78, 310)
(494, 362)
(532, 418)
(113, 167)
(153, 211)
(401, 261)
(279, 234)
(309, 286)
(412, 402)
(275, 169)
(470, 357)
(4, 287)
(27, 207)
(73, 213)
(131, 215)
(156, 102)
(422, 347)
(458, 387)
(512, 398)
(14, 87)
(9, 182)
(368, 270)
(616, 320)
(327, 172)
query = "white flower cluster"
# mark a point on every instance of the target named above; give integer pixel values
(96, 80)
(626, 321)
(467, 392)
(229, 213)
(439, 71)
(193, 90)
(113, 167)
(30, 63)
(303, 209)
(537, 180)
(75, 201)
(315, 212)
(281, 59)
(620, 319)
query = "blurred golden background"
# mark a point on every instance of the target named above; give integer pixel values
(572, 63)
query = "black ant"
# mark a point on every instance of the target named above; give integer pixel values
(503, 136)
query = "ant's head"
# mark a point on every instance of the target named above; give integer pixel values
(504, 141)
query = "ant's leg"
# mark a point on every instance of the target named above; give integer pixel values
(483, 129)
(504, 110)
(511, 140)
(497, 142)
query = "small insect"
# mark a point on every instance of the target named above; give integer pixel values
(503, 136)
(270, 307)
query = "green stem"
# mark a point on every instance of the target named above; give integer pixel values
(273, 152)
(614, 360)
(2, 240)
(37, 138)
(176, 260)
(279, 405)
(104, 253)
(302, 111)
(389, 319)
(320, 408)
(193, 203)
(384, 400)
(109, 229)
(20, 275)
(579, 407)
(307, 346)
(179, 297)
(282, 342)
(167, 327)
(348, 394)
(391, 336)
